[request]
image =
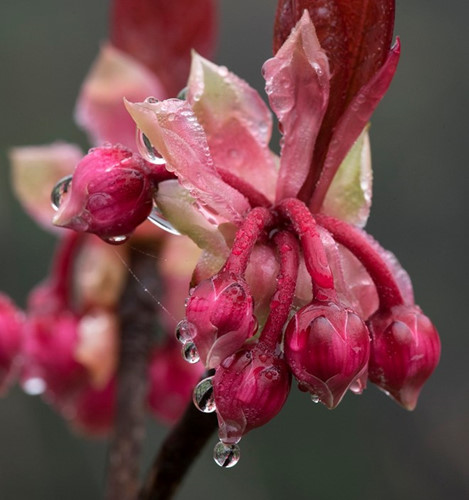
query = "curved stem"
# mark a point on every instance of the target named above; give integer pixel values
(178, 452)
(296, 212)
(257, 220)
(365, 249)
(282, 299)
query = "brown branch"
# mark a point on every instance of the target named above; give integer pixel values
(137, 316)
(177, 454)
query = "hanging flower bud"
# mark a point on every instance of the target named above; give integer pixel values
(11, 324)
(405, 350)
(220, 317)
(250, 388)
(327, 348)
(111, 194)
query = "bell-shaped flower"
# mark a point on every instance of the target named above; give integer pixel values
(327, 347)
(250, 387)
(110, 195)
(219, 317)
(405, 350)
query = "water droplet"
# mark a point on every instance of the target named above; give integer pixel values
(151, 100)
(182, 94)
(60, 189)
(314, 398)
(203, 397)
(171, 117)
(357, 387)
(185, 331)
(226, 455)
(223, 71)
(116, 240)
(146, 149)
(189, 352)
(34, 386)
(159, 220)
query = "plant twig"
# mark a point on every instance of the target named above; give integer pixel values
(137, 316)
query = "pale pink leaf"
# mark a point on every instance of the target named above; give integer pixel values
(237, 123)
(297, 83)
(173, 129)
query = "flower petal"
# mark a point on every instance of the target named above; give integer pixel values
(297, 82)
(237, 123)
(173, 129)
(35, 171)
(172, 28)
(100, 110)
(349, 195)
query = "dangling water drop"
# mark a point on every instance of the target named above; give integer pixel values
(190, 353)
(34, 386)
(59, 190)
(314, 398)
(203, 396)
(357, 387)
(146, 149)
(226, 455)
(159, 220)
(185, 331)
(116, 240)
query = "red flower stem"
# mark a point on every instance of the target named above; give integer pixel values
(137, 315)
(62, 266)
(256, 221)
(296, 212)
(280, 303)
(360, 244)
(255, 198)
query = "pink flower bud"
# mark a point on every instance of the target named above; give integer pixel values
(220, 317)
(327, 348)
(250, 388)
(171, 381)
(405, 350)
(111, 194)
(11, 324)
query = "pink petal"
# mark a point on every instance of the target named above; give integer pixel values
(352, 123)
(173, 129)
(100, 109)
(237, 123)
(297, 82)
(35, 171)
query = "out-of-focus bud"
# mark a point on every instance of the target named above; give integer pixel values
(250, 388)
(327, 347)
(171, 381)
(219, 317)
(111, 194)
(405, 350)
(11, 324)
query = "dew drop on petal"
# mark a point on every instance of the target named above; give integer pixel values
(60, 189)
(157, 218)
(314, 398)
(151, 100)
(183, 94)
(146, 149)
(226, 455)
(203, 397)
(356, 387)
(185, 331)
(34, 386)
(190, 353)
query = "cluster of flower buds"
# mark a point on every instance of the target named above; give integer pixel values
(326, 345)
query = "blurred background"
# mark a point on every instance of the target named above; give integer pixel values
(368, 447)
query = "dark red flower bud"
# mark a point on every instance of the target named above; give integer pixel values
(327, 348)
(405, 349)
(111, 194)
(220, 317)
(250, 388)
